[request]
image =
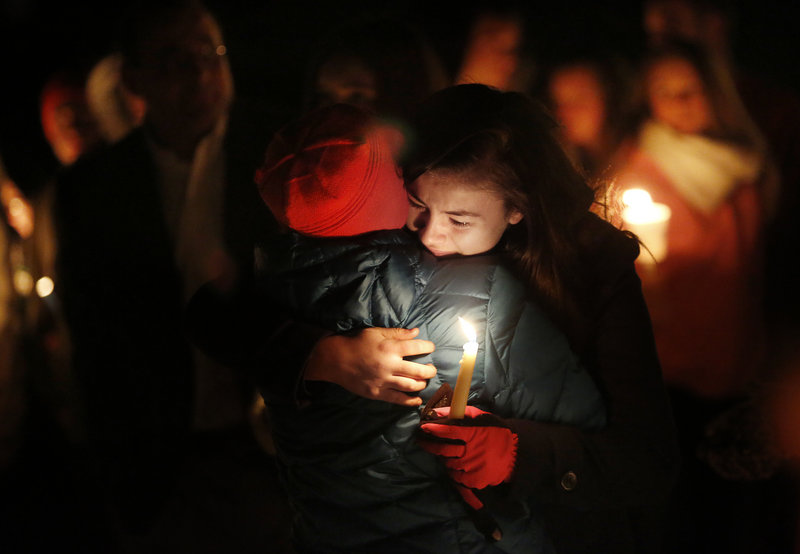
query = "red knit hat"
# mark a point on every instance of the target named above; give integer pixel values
(333, 173)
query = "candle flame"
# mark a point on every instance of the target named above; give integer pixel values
(468, 329)
(45, 287)
(636, 197)
(640, 209)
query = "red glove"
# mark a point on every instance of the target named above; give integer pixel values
(478, 450)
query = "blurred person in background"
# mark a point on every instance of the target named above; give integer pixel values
(775, 109)
(71, 131)
(117, 110)
(752, 442)
(12, 406)
(699, 153)
(68, 124)
(384, 64)
(44, 487)
(141, 224)
(592, 97)
(495, 51)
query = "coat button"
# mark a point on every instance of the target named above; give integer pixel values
(569, 481)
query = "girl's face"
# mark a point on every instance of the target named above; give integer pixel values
(452, 217)
(677, 96)
(579, 104)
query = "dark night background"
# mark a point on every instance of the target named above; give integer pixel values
(269, 42)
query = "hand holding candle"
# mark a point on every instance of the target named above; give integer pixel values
(466, 366)
(649, 221)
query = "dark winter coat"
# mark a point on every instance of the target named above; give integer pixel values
(354, 472)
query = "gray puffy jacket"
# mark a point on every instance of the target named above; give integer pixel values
(354, 473)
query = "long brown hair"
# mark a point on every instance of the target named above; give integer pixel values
(509, 139)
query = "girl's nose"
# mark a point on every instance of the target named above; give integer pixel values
(431, 233)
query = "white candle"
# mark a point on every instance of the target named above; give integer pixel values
(649, 221)
(466, 366)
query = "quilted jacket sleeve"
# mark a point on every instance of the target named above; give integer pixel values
(304, 289)
(531, 370)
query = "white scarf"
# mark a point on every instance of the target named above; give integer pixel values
(704, 171)
(193, 195)
(193, 199)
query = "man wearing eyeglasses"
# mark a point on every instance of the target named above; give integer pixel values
(141, 225)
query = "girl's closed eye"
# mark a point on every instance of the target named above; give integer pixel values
(415, 205)
(453, 216)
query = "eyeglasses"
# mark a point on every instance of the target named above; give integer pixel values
(188, 58)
